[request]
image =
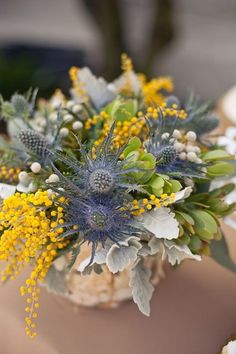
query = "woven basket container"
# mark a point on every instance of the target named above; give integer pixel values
(105, 290)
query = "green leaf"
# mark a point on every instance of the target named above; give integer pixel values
(205, 225)
(218, 206)
(126, 110)
(217, 155)
(195, 243)
(220, 253)
(186, 217)
(220, 169)
(222, 191)
(175, 185)
(149, 159)
(133, 145)
(122, 110)
(157, 184)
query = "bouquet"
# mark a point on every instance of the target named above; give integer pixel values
(121, 171)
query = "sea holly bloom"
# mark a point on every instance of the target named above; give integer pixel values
(98, 218)
(34, 143)
(99, 171)
(174, 157)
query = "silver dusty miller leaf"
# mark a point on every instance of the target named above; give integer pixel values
(55, 281)
(141, 287)
(119, 257)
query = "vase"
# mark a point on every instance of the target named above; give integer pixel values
(105, 290)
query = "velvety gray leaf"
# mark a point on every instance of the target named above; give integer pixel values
(141, 287)
(119, 257)
(155, 246)
(161, 222)
(55, 281)
(177, 253)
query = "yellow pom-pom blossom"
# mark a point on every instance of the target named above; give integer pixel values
(127, 69)
(152, 90)
(143, 205)
(77, 85)
(9, 174)
(154, 113)
(134, 126)
(29, 234)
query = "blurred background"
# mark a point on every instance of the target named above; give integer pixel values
(193, 41)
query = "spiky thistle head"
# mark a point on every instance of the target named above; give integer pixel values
(97, 218)
(101, 173)
(101, 181)
(34, 142)
(198, 115)
(167, 155)
(173, 157)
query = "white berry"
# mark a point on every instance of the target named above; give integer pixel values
(198, 160)
(197, 149)
(191, 136)
(165, 136)
(35, 167)
(77, 125)
(179, 147)
(77, 108)
(53, 178)
(191, 156)
(69, 104)
(64, 132)
(176, 134)
(68, 118)
(182, 156)
(190, 148)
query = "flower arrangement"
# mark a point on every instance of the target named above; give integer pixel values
(123, 169)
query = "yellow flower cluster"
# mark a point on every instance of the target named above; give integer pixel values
(122, 132)
(29, 235)
(127, 129)
(127, 68)
(143, 205)
(9, 174)
(173, 111)
(98, 118)
(126, 63)
(152, 90)
(77, 85)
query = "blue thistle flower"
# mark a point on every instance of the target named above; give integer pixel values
(94, 219)
(168, 160)
(38, 145)
(199, 118)
(99, 174)
(95, 199)
(34, 142)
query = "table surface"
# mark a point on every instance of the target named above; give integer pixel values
(193, 312)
